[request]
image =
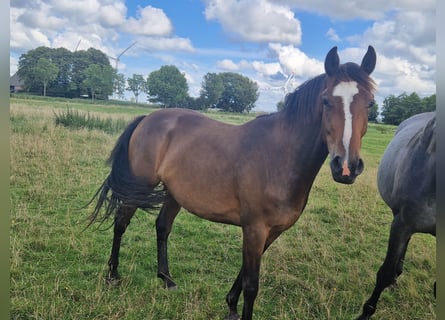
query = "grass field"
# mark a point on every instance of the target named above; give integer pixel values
(322, 268)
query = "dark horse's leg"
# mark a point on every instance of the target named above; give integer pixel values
(121, 221)
(391, 267)
(164, 224)
(232, 297)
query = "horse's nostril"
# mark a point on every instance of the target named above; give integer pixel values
(336, 164)
(360, 166)
(357, 167)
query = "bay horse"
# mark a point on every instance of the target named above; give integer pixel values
(407, 183)
(256, 175)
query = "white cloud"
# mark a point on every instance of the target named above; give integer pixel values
(194, 86)
(227, 64)
(397, 75)
(256, 21)
(97, 23)
(79, 7)
(362, 9)
(266, 69)
(150, 22)
(409, 34)
(113, 14)
(70, 40)
(165, 44)
(406, 51)
(23, 37)
(262, 68)
(40, 19)
(293, 60)
(332, 35)
(13, 65)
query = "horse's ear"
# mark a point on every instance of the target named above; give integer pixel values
(369, 60)
(331, 62)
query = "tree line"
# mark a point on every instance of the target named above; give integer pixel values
(395, 109)
(60, 72)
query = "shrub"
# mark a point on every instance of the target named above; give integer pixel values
(77, 120)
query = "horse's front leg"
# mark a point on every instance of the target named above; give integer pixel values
(391, 267)
(232, 297)
(164, 223)
(121, 222)
(254, 244)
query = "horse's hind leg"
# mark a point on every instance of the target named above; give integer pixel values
(121, 221)
(232, 297)
(391, 267)
(164, 223)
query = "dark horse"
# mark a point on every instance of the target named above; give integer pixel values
(407, 183)
(257, 175)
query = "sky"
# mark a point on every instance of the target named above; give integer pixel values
(278, 44)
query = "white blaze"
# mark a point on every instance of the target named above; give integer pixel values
(347, 91)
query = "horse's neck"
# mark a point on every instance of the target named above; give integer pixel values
(304, 147)
(310, 150)
(306, 138)
(307, 153)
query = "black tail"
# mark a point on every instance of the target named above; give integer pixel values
(126, 189)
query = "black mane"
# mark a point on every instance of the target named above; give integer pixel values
(305, 102)
(302, 102)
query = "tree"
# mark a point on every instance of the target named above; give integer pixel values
(392, 110)
(373, 112)
(71, 66)
(429, 103)
(119, 85)
(167, 86)
(397, 109)
(61, 85)
(193, 103)
(229, 91)
(26, 67)
(239, 94)
(44, 72)
(136, 84)
(81, 61)
(99, 80)
(212, 89)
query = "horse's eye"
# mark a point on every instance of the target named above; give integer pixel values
(325, 102)
(371, 103)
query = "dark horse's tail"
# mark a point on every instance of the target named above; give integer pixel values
(126, 189)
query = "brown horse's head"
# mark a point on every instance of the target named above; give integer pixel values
(346, 99)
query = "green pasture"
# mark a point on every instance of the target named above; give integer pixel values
(322, 268)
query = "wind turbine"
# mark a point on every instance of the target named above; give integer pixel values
(77, 46)
(284, 87)
(120, 54)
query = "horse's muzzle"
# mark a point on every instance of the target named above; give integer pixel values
(345, 172)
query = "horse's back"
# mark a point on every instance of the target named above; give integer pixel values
(406, 175)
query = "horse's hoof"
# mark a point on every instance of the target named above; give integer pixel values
(112, 281)
(172, 287)
(168, 282)
(233, 316)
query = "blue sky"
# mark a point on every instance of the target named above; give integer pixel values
(263, 39)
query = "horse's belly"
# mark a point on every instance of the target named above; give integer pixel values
(212, 202)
